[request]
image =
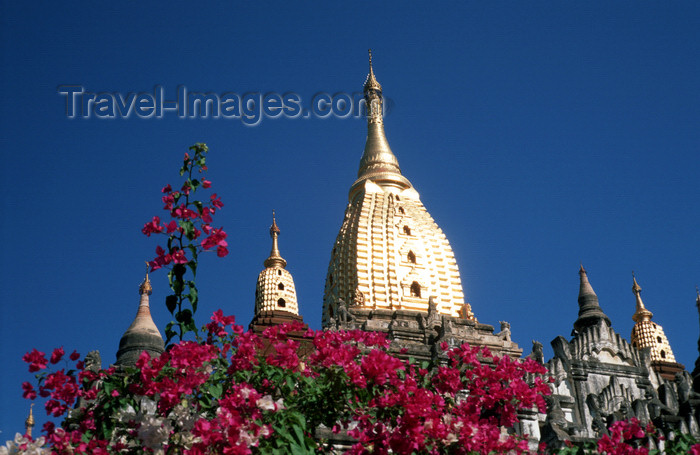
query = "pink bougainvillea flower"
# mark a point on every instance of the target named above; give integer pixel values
(152, 227)
(36, 360)
(179, 257)
(168, 200)
(216, 201)
(216, 238)
(29, 391)
(171, 227)
(206, 183)
(206, 215)
(57, 355)
(74, 356)
(161, 260)
(183, 212)
(167, 189)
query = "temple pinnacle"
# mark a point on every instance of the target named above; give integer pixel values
(378, 162)
(145, 287)
(274, 291)
(275, 260)
(29, 423)
(142, 334)
(589, 312)
(641, 314)
(585, 287)
(371, 82)
(648, 334)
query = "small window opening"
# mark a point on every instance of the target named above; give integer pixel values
(407, 230)
(415, 289)
(634, 344)
(411, 257)
(658, 339)
(663, 354)
(280, 286)
(279, 272)
(281, 303)
(398, 198)
(402, 211)
(330, 279)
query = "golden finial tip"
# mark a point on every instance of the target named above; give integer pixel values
(145, 287)
(30, 418)
(371, 82)
(635, 286)
(274, 229)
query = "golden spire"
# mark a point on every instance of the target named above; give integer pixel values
(648, 334)
(642, 314)
(29, 423)
(145, 287)
(371, 82)
(378, 162)
(275, 260)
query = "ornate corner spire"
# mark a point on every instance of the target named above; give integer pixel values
(641, 314)
(275, 260)
(274, 290)
(589, 312)
(378, 162)
(585, 287)
(648, 334)
(29, 423)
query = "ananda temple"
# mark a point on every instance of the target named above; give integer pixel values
(392, 270)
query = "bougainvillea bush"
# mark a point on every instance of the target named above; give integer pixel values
(218, 391)
(223, 395)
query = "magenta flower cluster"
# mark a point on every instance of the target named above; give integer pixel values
(227, 394)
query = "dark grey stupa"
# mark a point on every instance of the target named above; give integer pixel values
(142, 334)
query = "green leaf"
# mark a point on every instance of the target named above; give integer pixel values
(169, 332)
(184, 316)
(187, 228)
(216, 390)
(193, 295)
(171, 303)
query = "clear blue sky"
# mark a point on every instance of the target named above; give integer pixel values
(539, 134)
